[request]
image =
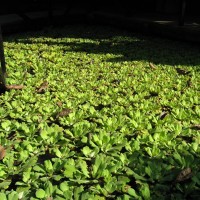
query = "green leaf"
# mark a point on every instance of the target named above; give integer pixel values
(13, 196)
(195, 146)
(86, 151)
(39, 168)
(145, 191)
(48, 166)
(44, 134)
(59, 198)
(111, 186)
(67, 194)
(6, 125)
(69, 171)
(137, 176)
(3, 196)
(97, 140)
(84, 140)
(179, 158)
(99, 166)
(132, 192)
(5, 184)
(57, 152)
(149, 151)
(64, 186)
(77, 192)
(84, 167)
(25, 128)
(40, 194)
(29, 163)
(48, 188)
(26, 176)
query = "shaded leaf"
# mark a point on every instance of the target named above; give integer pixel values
(154, 94)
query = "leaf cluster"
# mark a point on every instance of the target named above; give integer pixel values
(102, 115)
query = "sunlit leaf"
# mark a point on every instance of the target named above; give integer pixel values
(40, 193)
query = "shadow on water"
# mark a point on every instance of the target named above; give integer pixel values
(130, 46)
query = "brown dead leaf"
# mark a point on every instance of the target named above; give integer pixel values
(163, 115)
(182, 71)
(195, 127)
(2, 152)
(49, 198)
(185, 174)
(152, 65)
(59, 103)
(64, 112)
(189, 82)
(14, 87)
(42, 87)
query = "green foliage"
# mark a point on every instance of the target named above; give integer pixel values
(107, 125)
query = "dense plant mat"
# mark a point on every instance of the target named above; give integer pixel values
(101, 114)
